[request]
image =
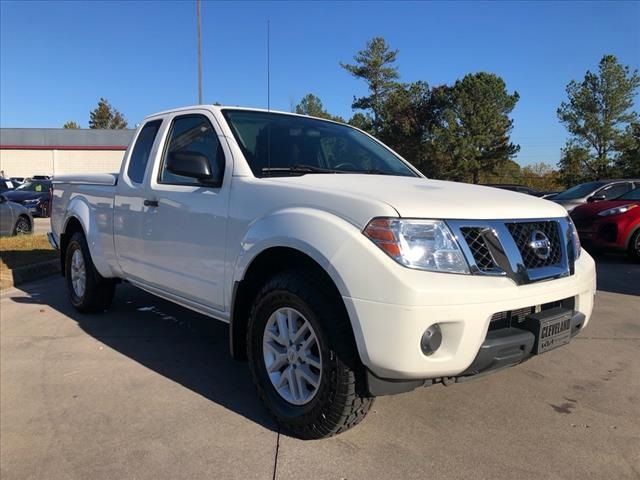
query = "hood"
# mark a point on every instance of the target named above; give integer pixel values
(20, 196)
(588, 210)
(424, 198)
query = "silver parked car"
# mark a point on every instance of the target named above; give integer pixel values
(14, 218)
(595, 191)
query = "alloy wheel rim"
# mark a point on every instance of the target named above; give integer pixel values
(22, 228)
(638, 244)
(292, 356)
(78, 273)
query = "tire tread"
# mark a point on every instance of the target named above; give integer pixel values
(99, 291)
(347, 406)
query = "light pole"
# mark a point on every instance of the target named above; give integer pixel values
(199, 53)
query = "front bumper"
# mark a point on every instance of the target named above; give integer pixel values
(388, 335)
(501, 348)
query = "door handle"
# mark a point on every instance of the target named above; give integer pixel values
(151, 203)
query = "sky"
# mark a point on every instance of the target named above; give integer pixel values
(58, 58)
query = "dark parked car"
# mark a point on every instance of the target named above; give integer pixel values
(549, 195)
(14, 218)
(34, 195)
(595, 191)
(610, 224)
(6, 184)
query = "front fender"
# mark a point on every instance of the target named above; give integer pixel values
(80, 209)
(316, 233)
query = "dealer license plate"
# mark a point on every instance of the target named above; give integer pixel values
(552, 329)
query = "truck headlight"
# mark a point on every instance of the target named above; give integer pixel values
(417, 243)
(575, 239)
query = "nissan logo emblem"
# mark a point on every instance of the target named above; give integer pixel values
(540, 244)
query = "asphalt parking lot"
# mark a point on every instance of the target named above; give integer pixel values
(148, 390)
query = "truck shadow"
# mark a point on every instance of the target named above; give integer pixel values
(183, 346)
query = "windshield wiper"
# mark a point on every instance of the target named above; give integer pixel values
(299, 169)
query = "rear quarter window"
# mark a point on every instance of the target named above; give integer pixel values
(142, 151)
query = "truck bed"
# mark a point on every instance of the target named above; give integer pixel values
(109, 179)
(89, 198)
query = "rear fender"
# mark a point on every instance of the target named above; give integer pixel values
(80, 209)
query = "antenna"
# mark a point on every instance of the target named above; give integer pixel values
(268, 92)
(268, 65)
(199, 53)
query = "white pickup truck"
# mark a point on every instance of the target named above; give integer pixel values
(342, 271)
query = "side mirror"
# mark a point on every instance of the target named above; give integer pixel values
(596, 198)
(190, 164)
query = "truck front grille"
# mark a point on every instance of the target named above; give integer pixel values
(522, 233)
(512, 318)
(479, 249)
(525, 251)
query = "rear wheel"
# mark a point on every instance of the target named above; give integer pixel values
(23, 226)
(303, 358)
(634, 246)
(88, 290)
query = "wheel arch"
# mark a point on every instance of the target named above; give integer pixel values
(80, 216)
(27, 218)
(72, 225)
(630, 235)
(263, 266)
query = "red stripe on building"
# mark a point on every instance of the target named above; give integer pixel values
(63, 147)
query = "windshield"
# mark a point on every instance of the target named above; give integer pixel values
(632, 195)
(34, 186)
(579, 191)
(277, 144)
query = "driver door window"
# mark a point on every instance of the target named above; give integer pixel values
(193, 134)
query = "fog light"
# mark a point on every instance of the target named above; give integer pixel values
(431, 339)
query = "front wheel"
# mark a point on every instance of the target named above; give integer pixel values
(303, 358)
(88, 290)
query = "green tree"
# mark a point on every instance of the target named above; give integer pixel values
(361, 121)
(597, 112)
(473, 135)
(572, 165)
(541, 176)
(408, 120)
(312, 106)
(628, 162)
(71, 125)
(375, 65)
(510, 172)
(106, 116)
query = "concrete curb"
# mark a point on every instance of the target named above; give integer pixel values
(28, 273)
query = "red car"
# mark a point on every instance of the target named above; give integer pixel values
(611, 224)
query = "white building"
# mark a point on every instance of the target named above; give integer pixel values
(25, 152)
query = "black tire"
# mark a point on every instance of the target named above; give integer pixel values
(341, 401)
(634, 248)
(98, 291)
(23, 226)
